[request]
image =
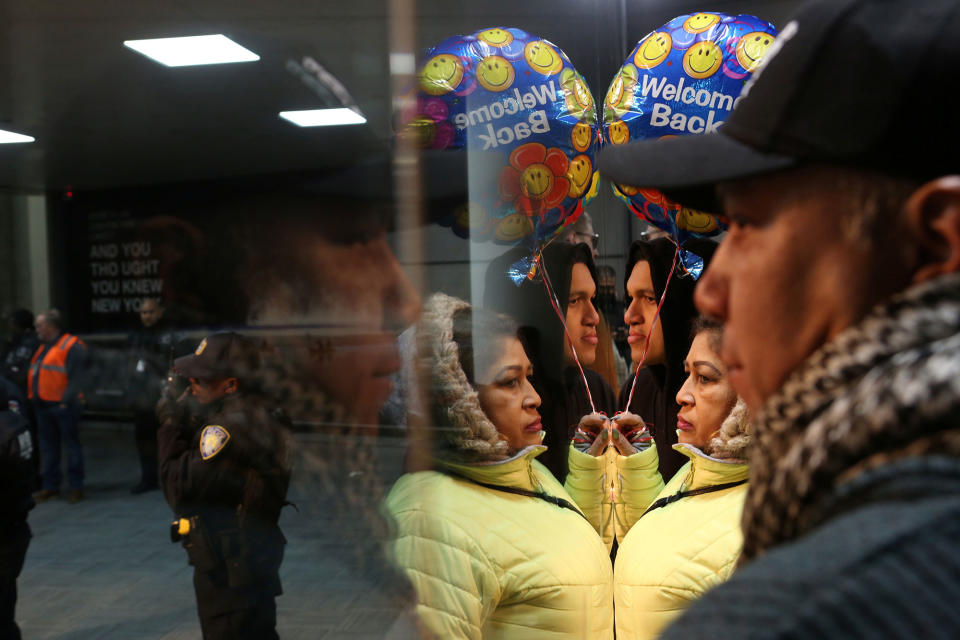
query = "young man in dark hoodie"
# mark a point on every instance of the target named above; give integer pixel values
(555, 374)
(662, 375)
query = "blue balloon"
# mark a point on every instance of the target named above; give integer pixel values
(516, 101)
(682, 79)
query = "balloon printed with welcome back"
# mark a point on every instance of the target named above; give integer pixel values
(516, 102)
(681, 79)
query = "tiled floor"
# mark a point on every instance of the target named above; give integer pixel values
(105, 568)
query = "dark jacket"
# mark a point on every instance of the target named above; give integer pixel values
(16, 468)
(241, 487)
(564, 398)
(151, 354)
(655, 396)
(16, 364)
(883, 564)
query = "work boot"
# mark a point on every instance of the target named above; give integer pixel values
(74, 496)
(46, 494)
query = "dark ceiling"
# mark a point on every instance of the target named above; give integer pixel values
(105, 116)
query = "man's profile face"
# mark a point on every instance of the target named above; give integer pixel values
(787, 278)
(360, 299)
(150, 312)
(581, 317)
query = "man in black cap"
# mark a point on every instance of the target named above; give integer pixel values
(225, 469)
(839, 289)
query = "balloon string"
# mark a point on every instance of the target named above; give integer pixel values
(551, 296)
(653, 325)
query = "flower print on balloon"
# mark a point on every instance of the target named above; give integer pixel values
(683, 78)
(515, 104)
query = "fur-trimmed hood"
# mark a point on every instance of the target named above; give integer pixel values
(463, 433)
(732, 441)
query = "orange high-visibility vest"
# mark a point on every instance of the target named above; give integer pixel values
(52, 369)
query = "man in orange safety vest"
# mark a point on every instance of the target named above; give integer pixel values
(54, 386)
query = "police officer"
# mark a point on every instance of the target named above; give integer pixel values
(225, 469)
(152, 350)
(16, 484)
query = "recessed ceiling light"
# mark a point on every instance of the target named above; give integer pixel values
(9, 137)
(323, 117)
(192, 50)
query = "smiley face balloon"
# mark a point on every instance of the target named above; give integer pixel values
(517, 100)
(681, 79)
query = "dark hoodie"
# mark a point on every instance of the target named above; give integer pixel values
(564, 399)
(655, 397)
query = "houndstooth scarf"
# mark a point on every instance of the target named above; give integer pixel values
(884, 389)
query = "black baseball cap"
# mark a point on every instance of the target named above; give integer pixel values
(220, 355)
(859, 83)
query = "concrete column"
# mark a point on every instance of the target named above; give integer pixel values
(31, 250)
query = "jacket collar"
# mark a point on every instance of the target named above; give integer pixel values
(515, 471)
(706, 471)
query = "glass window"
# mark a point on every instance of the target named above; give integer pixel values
(259, 275)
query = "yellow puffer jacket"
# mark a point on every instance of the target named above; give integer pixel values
(491, 564)
(675, 553)
(613, 490)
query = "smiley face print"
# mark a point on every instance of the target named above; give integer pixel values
(580, 173)
(618, 132)
(581, 136)
(700, 22)
(441, 74)
(696, 221)
(471, 216)
(495, 73)
(751, 47)
(579, 101)
(542, 58)
(512, 228)
(653, 50)
(702, 60)
(620, 95)
(496, 37)
(536, 181)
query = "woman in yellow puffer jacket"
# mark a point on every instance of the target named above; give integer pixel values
(493, 545)
(683, 538)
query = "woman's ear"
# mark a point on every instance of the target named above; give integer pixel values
(933, 214)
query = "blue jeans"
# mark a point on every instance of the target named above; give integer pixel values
(56, 423)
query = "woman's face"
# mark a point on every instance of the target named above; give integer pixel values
(706, 397)
(506, 395)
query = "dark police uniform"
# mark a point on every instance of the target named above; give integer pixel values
(225, 471)
(16, 483)
(152, 350)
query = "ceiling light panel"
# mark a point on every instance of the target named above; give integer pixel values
(9, 137)
(192, 50)
(323, 117)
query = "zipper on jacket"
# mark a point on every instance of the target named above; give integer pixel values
(534, 482)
